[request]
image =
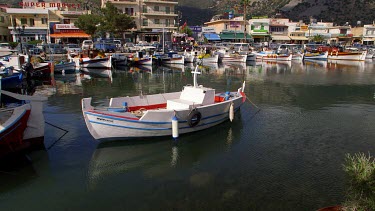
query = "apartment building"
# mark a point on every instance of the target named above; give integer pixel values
(152, 18)
(369, 34)
(4, 23)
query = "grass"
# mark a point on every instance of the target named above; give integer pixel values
(360, 169)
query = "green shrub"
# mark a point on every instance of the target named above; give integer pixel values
(13, 44)
(361, 192)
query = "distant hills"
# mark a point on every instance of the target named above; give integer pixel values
(337, 11)
(196, 12)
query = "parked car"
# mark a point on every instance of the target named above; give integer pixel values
(130, 47)
(87, 44)
(72, 48)
(106, 45)
(53, 49)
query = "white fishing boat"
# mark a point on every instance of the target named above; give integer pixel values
(194, 108)
(95, 62)
(173, 58)
(204, 59)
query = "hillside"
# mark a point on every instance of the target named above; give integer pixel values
(338, 11)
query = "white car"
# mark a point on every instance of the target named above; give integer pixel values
(73, 48)
(87, 44)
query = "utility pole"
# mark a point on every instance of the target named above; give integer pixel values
(244, 18)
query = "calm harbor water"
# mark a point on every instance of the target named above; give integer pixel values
(285, 153)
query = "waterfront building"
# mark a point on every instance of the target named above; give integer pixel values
(319, 28)
(340, 35)
(29, 24)
(153, 18)
(279, 30)
(296, 32)
(259, 29)
(230, 30)
(369, 34)
(47, 21)
(4, 23)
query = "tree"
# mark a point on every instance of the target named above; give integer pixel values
(113, 22)
(318, 38)
(187, 31)
(88, 23)
(245, 3)
(108, 20)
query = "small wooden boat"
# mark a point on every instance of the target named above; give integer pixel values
(315, 56)
(204, 59)
(173, 58)
(65, 67)
(277, 57)
(194, 108)
(352, 56)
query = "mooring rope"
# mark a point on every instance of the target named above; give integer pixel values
(58, 138)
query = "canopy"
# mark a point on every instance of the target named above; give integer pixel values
(234, 36)
(211, 36)
(298, 38)
(70, 35)
(280, 37)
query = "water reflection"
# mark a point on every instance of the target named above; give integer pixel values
(158, 158)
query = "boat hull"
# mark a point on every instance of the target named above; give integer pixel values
(357, 56)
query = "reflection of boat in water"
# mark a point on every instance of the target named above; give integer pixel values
(98, 72)
(342, 64)
(141, 68)
(175, 67)
(234, 67)
(315, 62)
(158, 157)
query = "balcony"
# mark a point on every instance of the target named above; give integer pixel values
(159, 25)
(151, 12)
(127, 2)
(175, 2)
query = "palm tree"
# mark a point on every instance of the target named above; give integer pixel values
(245, 3)
(318, 38)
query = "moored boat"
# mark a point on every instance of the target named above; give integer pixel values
(194, 108)
(353, 56)
(315, 56)
(22, 124)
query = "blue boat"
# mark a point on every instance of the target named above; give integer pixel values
(10, 80)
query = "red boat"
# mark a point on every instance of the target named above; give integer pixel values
(13, 122)
(21, 126)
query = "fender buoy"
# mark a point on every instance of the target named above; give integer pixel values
(194, 118)
(174, 127)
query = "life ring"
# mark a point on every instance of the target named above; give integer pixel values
(194, 118)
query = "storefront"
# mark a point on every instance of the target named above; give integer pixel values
(67, 33)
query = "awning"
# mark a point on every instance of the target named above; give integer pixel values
(211, 36)
(298, 38)
(280, 37)
(234, 36)
(70, 35)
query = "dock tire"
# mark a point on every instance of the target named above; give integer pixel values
(194, 118)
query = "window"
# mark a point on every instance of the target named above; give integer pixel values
(167, 22)
(167, 10)
(156, 8)
(32, 22)
(144, 9)
(2, 19)
(145, 22)
(129, 11)
(66, 21)
(44, 20)
(23, 21)
(157, 21)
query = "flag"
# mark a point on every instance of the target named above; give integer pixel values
(183, 26)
